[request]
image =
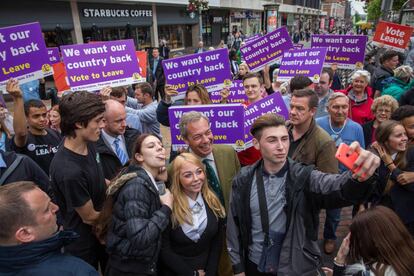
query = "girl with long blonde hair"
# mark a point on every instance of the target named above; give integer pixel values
(192, 243)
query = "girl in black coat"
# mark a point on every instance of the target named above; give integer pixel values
(137, 213)
(193, 241)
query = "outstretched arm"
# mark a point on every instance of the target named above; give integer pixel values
(19, 121)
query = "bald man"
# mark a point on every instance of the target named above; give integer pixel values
(116, 141)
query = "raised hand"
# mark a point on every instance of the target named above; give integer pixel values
(12, 87)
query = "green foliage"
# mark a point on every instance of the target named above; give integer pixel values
(357, 17)
(396, 6)
(374, 10)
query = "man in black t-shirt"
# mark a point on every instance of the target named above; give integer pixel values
(77, 178)
(32, 136)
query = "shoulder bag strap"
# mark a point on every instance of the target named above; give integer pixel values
(10, 169)
(264, 216)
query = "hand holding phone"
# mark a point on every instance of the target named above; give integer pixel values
(346, 159)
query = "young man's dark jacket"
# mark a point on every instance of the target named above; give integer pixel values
(43, 258)
(300, 253)
(27, 170)
(109, 160)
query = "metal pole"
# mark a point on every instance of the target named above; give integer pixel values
(200, 22)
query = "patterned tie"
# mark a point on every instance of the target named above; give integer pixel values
(213, 181)
(120, 152)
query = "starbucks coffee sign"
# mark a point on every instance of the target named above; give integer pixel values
(116, 13)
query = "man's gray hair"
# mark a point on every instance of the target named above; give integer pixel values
(337, 95)
(189, 117)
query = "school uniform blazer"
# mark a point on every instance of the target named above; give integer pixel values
(181, 256)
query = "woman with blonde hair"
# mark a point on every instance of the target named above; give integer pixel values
(243, 70)
(382, 107)
(192, 243)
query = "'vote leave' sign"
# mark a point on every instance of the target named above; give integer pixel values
(392, 35)
(96, 65)
(23, 54)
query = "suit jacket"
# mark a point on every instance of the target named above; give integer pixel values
(228, 166)
(182, 256)
(109, 160)
(196, 50)
(159, 72)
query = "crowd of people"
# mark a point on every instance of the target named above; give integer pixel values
(86, 185)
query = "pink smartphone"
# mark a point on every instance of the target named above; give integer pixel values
(347, 160)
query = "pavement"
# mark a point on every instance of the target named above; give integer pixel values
(341, 232)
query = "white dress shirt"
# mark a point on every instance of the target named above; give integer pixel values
(199, 216)
(111, 141)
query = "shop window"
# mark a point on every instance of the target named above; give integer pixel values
(140, 35)
(55, 39)
(174, 35)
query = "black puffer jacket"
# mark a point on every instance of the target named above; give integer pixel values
(138, 220)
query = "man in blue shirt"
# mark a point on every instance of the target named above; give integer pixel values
(342, 130)
(323, 91)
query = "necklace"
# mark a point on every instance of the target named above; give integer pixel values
(337, 132)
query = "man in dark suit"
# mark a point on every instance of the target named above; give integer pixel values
(200, 49)
(221, 163)
(164, 49)
(157, 73)
(116, 141)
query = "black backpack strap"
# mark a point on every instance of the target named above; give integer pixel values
(10, 169)
(264, 215)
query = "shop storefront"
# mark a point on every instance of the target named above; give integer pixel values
(112, 22)
(54, 17)
(102, 21)
(249, 22)
(174, 25)
(215, 26)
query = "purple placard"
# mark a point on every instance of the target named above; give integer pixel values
(305, 62)
(212, 69)
(273, 103)
(252, 38)
(298, 46)
(23, 54)
(54, 56)
(237, 94)
(226, 123)
(267, 49)
(93, 66)
(348, 51)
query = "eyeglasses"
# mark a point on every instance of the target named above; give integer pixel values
(386, 111)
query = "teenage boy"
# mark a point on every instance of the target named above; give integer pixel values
(76, 174)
